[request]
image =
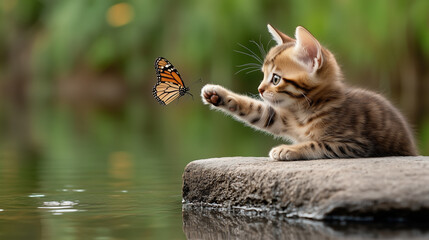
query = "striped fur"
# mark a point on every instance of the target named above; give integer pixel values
(313, 108)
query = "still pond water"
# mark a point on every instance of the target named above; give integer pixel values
(86, 201)
(38, 201)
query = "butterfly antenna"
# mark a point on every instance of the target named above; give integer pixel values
(191, 95)
(200, 80)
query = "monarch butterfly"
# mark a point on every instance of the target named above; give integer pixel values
(170, 85)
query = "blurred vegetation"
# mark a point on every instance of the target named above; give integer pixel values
(86, 67)
(76, 76)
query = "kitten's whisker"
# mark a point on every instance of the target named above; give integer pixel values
(247, 68)
(254, 70)
(250, 55)
(251, 67)
(269, 43)
(260, 47)
(250, 64)
(254, 55)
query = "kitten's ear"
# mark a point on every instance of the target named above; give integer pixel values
(278, 36)
(309, 49)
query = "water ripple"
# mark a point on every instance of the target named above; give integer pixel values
(60, 207)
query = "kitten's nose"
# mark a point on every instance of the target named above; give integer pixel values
(261, 90)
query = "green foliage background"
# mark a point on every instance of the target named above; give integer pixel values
(76, 89)
(382, 45)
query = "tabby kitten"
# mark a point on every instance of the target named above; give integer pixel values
(305, 101)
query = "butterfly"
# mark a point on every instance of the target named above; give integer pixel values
(170, 85)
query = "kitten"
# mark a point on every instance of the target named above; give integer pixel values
(305, 101)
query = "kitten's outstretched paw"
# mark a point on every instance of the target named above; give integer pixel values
(218, 97)
(210, 95)
(284, 153)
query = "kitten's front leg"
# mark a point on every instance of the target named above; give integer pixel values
(295, 152)
(253, 112)
(219, 97)
(317, 150)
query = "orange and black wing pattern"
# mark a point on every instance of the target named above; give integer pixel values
(170, 85)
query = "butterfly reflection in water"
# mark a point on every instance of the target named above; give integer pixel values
(170, 85)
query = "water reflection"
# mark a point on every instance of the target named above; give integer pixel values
(91, 198)
(203, 223)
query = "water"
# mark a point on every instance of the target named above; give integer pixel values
(205, 223)
(89, 202)
(116, 201)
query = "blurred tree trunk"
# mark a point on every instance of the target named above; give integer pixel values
(414, 81)
(409, 82)
(16, 90)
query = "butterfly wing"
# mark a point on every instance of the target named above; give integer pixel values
(166, 72)
(170, 85)
(166, 92)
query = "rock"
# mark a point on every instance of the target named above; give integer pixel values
(391, 188)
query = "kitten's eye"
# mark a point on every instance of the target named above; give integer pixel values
(276, 79)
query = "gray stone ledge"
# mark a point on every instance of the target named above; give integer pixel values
(392, 188)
